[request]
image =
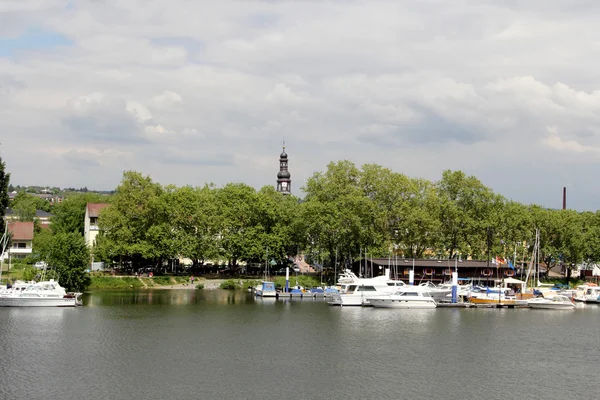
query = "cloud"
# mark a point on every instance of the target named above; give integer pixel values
(416, 86)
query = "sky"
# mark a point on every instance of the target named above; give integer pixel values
(193, 91)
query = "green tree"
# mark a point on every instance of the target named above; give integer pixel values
(192, 214)
(4, 182)
(465, 209)
(24, 205)
(42, 244)
(337, 215)
(237, 222)
(135, 224)
(70, 257)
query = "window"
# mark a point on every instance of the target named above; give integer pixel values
(367, 289)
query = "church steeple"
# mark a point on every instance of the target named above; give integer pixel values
(284, 181)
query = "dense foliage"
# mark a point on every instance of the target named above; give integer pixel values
(347, 212)
(4, 181)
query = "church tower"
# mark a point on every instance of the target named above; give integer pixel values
(284, 181)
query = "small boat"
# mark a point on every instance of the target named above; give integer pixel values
(41, 294)
(556, 302)
(407, 297)
(266, 289)
(497, 296)
(591, 294)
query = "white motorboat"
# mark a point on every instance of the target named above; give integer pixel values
(590, 294)
(407, 297)
(355, 291)
(41, 294)
(266, 289)
(556, 302)
(438, 293)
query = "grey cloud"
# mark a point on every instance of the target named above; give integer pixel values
(357, 80)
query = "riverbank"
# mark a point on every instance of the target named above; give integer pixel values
(156, 282)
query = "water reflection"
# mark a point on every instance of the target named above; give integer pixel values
(224, 344)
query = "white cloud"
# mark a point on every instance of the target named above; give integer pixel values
(416, 86)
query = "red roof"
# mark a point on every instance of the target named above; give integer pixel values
(21, 230)
(95, 208)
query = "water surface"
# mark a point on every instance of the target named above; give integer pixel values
(185, 344)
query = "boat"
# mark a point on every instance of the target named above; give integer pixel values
(354, 291)
(438, 292)
(407, 297)
(41, 294)
(591, 294)
(266, 289)
(556, 302)
(497, 296)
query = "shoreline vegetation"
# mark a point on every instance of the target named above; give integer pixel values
(106, 282)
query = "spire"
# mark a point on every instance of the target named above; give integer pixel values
(284, 181)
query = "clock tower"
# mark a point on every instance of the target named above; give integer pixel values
(284, 181)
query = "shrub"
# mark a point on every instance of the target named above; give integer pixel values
(200, 286)
(228, 285)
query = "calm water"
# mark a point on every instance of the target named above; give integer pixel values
(222, 345)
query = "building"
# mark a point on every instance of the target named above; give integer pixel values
(284, 181)
(436, 271)
(41, 216)
(21, 240)
(90, 229)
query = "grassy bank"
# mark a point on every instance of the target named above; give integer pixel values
(128, 282)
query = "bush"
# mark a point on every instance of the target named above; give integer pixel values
(200, 286)
(29, 273)
(229, 285)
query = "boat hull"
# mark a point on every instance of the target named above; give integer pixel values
(347, 300)
(552, 306)
(391, 303)
(39, 302)
(503, 302)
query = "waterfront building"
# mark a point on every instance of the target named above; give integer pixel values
(284, 181)
(90, 230)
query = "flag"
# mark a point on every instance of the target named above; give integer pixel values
(510, 264)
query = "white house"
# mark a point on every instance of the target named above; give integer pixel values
(22, 240)
(90, 230)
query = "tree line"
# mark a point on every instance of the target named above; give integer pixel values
(346, 212)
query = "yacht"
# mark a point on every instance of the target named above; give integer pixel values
(407, 297)
(41, 294)
(354, 291)
(556, 302)
(591, 294)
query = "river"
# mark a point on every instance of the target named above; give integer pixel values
(215, 344)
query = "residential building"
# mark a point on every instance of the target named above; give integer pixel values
(90, 230)
(21, 240)
(41, 216)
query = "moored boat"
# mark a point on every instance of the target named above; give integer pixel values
(266, 289)
(41, 294)
(357, 292)
(407, 297)
(556, 302)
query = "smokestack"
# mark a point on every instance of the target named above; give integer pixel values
(564, 198)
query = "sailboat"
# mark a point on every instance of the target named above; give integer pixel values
(266, 287)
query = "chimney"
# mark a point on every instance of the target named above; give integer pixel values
(564, 198)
